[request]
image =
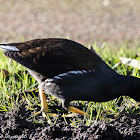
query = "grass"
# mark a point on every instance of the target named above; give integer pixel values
(16, 82)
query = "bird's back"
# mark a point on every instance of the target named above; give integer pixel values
(52, 56)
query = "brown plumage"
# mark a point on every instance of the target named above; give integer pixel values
(50, 57)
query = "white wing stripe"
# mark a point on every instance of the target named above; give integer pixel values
(9, 48)
(61, 76)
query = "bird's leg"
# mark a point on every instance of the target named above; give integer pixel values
(74, 110)
(44, 106)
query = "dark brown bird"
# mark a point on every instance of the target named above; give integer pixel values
(70, 71)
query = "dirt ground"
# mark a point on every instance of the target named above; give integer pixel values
(85, 22)
(18, 124)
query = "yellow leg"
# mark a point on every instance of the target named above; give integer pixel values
(74, 110)
(44, 106)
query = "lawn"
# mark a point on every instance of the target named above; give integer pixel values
(14, 87)
(116, 23)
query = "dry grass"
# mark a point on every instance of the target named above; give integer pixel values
(79, 20)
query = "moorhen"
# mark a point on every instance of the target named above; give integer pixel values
(70, 71)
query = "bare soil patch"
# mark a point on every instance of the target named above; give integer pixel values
(19, 124)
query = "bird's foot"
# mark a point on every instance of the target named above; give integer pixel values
(44, 107)
(45, 114)
(76, 110)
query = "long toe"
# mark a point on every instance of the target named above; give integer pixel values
(45, 114)
(38, 113)
(76, 110)
(69, 115)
